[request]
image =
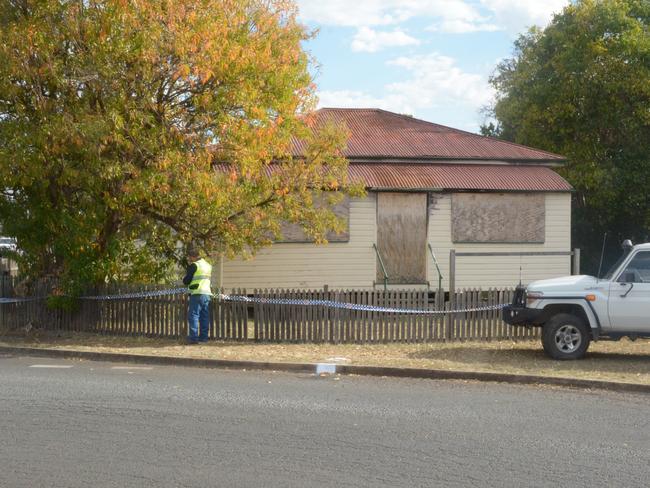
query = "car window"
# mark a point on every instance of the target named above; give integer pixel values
(639, 267)
(610, 274)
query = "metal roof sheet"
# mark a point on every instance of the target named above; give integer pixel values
(437, 176)
(379, 134)
(464, 177)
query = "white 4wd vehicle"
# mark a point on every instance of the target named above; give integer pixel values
(575, 310)
(7, 244)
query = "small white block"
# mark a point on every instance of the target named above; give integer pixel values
(143, 368)
(325, 368)
(52, 366)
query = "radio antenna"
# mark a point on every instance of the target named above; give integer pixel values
(602, 254)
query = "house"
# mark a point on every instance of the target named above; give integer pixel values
(431, 189)
(8, 266)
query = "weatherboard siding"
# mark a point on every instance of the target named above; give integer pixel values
(501, 271)
(294, 265)
(353, 265)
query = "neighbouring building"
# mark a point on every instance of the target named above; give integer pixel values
(431, 188)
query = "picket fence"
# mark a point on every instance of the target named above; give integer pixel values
(166, 316)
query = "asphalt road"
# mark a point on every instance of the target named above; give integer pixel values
(79, 424)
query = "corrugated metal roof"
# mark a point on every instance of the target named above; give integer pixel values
(463, 177)
(379, 134)
(458, 177)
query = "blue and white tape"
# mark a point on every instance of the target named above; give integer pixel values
(20, 299)
(276, 301)
(139, 294)
(353, 306)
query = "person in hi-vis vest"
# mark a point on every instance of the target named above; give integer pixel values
(197, 279)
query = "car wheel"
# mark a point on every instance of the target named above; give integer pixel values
(565, 336)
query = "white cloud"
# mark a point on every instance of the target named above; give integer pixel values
(447, 14)
(517, 15)
(371, 41)
(347, 13)
(358, 99)
(455, 17)
(452, 16)
(437, 80)
(434, 81)
(459, 26)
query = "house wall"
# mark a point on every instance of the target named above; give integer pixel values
(501, 271)
(292, 265)
(353, 264)
(8, 267)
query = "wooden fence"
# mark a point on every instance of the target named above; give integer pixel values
(166, 316)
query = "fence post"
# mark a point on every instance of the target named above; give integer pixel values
(452, 293)
(452, 270)
(334, 321)
(576, 261)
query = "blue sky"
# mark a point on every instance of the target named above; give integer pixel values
(427, 58)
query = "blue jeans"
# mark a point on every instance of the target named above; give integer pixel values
(199, 313)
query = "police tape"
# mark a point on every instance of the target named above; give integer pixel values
(354, 306)
(121, 296)
(20, 299)
(139, 294)
(277, 301)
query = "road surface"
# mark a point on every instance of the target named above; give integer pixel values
(81, 423)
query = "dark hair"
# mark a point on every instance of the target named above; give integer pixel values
(193, 250)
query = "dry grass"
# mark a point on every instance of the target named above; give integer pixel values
(623, 361)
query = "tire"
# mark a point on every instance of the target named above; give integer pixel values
(565, 336)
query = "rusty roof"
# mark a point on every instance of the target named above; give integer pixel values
(448, 177)
(379, 134)
(462, 177)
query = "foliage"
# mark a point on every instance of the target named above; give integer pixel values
(127, 128)
(581, 88)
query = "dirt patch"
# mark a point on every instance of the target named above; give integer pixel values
(623, 361)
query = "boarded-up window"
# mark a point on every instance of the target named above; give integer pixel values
(294, 233)
(498, 218)
(402, 236)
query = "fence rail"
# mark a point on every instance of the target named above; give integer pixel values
(260, 321)
(453, 255)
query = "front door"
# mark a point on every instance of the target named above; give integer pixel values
(629, 296)
(402, 237)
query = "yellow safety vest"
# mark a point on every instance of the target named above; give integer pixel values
(200, 284)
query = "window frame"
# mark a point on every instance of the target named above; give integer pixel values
(627, 263)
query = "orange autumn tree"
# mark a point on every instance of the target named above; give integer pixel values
(128, 127)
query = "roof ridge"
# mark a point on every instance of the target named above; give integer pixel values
(394, 114)
(555, 156)
(504, 141)
(412, 118)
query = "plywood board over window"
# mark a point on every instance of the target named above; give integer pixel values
(498, 217)
(402, 236)
(294, 233)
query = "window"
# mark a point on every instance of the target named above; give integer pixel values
(498, 218)
(638, 270)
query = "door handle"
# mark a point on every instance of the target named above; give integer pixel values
(628, 291)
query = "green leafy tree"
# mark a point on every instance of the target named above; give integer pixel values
(581, 88)
(127, 128)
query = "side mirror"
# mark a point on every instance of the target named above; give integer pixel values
(628, 277)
